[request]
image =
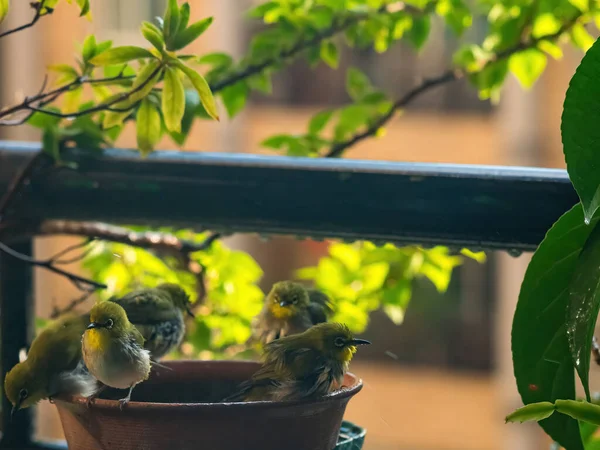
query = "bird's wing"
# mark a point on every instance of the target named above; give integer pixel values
(147, 306)
(137, 336)
(62, 342)
(320, 308)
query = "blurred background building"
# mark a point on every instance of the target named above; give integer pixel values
(442, 380)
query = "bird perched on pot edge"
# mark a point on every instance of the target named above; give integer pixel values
(53, 366)
(303, 365)
(113, 349)
(290, 308)
(158, 314)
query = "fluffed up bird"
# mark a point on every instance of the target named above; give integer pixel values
(113, 349)
(158, 314)
(290, 308)
(54, 366)
(309, 364)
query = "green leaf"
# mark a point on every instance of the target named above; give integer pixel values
(527, 66)
(581, 38)
(534, 411)
(551, 48)
(329, 54)
(193, 109)
(171, 21)
(89, 47)
(278, 141)
(457, 15)
(113, 118)
(583, 307)
(357, 84)
(153, 35)
(4, 6)
(541, 358)
(580, 131)
(419, 32)
(581, 5)
(50, 143)
(84, 6)
(145, 78)
(148, 126)
(261, 82)
(173, 100)
(200, 84)
(216, 59)
(579, 410)
(190, 34)
(319, 121)
(120, 55)
(184, 17)
(234, 98)
(43, 121)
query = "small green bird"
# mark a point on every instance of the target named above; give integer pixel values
(158, 314)
(290, 308)
(53, 366)
(309, 364)
(113, 349)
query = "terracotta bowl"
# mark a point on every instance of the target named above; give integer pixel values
(177, 410)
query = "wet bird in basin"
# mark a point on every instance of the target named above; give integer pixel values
(290, 308)
(309, 364)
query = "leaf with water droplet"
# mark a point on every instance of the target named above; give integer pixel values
(580, 131)
(583, 307)
(541, 355)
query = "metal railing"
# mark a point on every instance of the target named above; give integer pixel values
(507, 208)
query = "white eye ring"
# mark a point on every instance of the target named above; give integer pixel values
(109, 323)
(23, 394)
(339, 342)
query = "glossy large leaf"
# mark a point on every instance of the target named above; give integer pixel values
(581, 133)
(583, 307)
(542, 361)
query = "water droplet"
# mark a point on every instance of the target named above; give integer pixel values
(587, 220)
(391, 355)
(515, 253)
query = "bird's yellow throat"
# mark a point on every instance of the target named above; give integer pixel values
(96, 340)
(281, 312)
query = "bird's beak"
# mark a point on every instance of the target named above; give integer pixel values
(14, 409)
(284, 303)
(94, 325)
(189, 311)
(360, 342)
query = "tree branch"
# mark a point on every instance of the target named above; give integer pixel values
(337, 149)
(336, 27)
(57, 312)
(81, 283)
(149, 240)
(45, 98)
(38, 6)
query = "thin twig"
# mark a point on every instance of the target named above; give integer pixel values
(102, 106)
(45, 98)
(151, 240)
(38, 13)
(303, 44)
(81, 283)
(339, 148)
(57, 312)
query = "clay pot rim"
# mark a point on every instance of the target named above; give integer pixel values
(346, 392)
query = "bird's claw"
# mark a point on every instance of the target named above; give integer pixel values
(123, 402)
(89, 401)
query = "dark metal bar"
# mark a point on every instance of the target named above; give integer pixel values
(475, 206)
(16, 332)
